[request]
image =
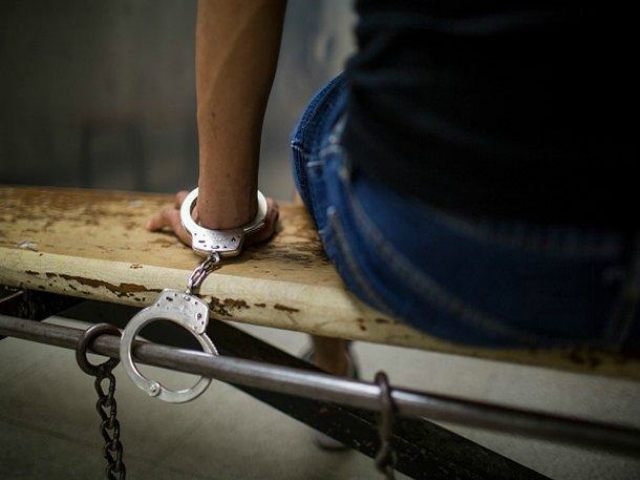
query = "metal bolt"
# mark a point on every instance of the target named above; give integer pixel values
(154, 389)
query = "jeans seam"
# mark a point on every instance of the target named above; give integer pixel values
(373, 296)
(527, 239)
(314, 198)
(436, 293)
(319, 106)
(327, 105)
(570, 250)
(331, 148)
(300, 177)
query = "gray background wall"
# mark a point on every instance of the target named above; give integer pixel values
(101, 94)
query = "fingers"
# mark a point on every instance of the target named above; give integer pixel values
(155, 223)
(169, 217)
(172, 217)
(270, 221)
(159, 221)
(273, 211)
(180, 196)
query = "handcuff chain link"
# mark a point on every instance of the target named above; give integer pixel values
(201, 271)
(184, 307)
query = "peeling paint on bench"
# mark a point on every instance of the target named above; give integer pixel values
(92, 244)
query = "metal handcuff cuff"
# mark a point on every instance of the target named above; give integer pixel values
(184, 307)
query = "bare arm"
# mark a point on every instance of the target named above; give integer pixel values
(237, 44)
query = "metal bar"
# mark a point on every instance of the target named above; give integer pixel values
(32, 304)
(423, 450)
(8, 296)
(321, 386)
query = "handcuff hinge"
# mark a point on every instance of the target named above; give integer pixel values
(200, 273)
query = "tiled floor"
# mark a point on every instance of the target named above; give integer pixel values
(48, 426)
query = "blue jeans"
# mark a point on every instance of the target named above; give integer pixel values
(498, 284)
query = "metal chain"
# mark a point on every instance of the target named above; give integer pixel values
(385, 458)
(107, 408)
(201, 271)
(106, 405)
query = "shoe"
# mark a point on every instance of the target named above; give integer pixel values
(322, 441)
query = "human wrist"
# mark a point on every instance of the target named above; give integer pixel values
(221, 208)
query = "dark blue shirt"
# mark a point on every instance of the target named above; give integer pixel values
(503, 109)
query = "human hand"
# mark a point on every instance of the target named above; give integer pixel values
(169, 217)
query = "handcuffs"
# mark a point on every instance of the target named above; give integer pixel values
(185, 308)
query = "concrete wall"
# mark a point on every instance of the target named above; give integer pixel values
(101, 94)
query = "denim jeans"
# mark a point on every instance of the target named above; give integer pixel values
(485, 283)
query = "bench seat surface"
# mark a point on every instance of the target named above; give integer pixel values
(93, 244)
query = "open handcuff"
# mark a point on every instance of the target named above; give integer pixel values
(185, 308)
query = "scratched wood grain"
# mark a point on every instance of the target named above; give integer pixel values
(92, 244)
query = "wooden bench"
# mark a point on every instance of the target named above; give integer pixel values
(92, 244)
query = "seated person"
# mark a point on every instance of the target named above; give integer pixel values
(469, 173)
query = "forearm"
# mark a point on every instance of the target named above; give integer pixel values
(237, 44)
